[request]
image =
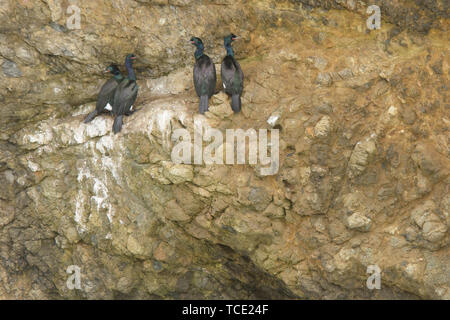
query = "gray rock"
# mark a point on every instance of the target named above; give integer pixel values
(259, 198)
(361, 156)
(408, 115)
(6, 213)
(345, 74)
(430, 162)
(433, 229)
(323, 127)
(324, 79)
(358, 221)
(178, 173)
(58, 27)
(324, 108)
(318, 62)
(10, 69)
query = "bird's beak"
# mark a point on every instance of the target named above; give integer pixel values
(236, 38)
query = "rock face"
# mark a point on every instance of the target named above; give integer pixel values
(364, 166)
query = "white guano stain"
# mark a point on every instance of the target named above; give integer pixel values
(161, 119)
(105, 144)
(100, 126)
(273, 120)
(79, 204)
(93, 175)
(101, 198)
(43, 136)
(33, 166)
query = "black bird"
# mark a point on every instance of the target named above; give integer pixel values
(204, 75)
(105, 98)
(125, 96)
(232, 75)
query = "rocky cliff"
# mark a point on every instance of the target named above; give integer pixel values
(364, 152)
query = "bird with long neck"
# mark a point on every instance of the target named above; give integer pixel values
(204, 75)
(232, 75)
(125, 95)
(129, 66)
(105, 98)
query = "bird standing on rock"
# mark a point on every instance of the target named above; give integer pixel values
(125, 95)
(105, 98)
(204, 75)
(232, 75)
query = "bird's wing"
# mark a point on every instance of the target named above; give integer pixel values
(227, 73)
(106, 94)
(125, 96)
(205, 76)
(239, 75)
(232, 76)
(211, 78)
(197, 78)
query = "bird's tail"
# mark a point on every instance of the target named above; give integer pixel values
(203, 106)
(236, 103)
(117, 126)
(91, 116)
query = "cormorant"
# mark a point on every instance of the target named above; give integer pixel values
(105, 98)
(204, 75)
(125, 95)
(232, 75)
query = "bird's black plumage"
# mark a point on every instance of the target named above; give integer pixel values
(232, 75)
(204, 75)
(125, 95)
(105, 99)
